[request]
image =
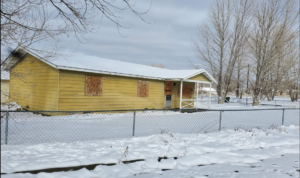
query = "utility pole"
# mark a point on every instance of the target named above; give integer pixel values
(247, 86)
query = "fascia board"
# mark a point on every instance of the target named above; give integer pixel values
(105, 72)
(10, 58)
(197, 81)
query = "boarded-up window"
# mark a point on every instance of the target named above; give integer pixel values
(93, 85)
(168, 87)
(143, 89)
(187, 91)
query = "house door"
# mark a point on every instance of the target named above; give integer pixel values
(168, 101)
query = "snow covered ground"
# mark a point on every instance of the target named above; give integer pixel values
(236, 103)
(270, 153)
(282, 102)
(12, 106)
(251, 143)
(29, 128)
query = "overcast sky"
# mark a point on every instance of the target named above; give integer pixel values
(166, 40)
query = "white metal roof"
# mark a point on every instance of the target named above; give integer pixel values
(112, 67)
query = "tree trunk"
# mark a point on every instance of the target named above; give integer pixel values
(293, 96)
(220, 100)
(238, 84)
(255, 101)
(269, 96)
(274, 93)
(237, 93)
(219, 92)
(256, 91)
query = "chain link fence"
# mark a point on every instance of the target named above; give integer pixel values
(277, 102)
(25, 127)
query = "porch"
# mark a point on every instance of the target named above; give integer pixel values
(188, 96)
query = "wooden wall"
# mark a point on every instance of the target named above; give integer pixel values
(34, 83)
(118, 93)
(41, 87)
(4, 91)
(200, 77)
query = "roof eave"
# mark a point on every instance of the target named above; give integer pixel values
(107, 73)
(197, 81)
(173, 79)
(11, 60)
(193, 74)
(200, 72)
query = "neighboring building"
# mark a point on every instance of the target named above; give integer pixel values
(4, 87)
(91, 83)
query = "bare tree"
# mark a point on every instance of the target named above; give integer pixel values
(241, 64)
(222, 40)
(272, 21)
(284, 61)
(291, 75)
(27, 22)
(293, 83)
(40, 25)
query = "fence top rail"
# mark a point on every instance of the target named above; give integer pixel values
(256, 109)
(132, 110)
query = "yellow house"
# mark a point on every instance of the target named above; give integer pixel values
(4, 87)
(92, 83)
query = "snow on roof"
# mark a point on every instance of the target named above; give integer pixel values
(120, 67)
(94, 64)
(5, 75)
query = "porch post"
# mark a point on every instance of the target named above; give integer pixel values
(197, 95)
(181, 83)
(209, 95)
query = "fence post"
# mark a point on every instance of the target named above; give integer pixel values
(282, 117)
(133, 123)
(6, 127)
(220, 120)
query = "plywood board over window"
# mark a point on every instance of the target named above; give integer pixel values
(143, 89)
(187, 91)
(168, 87)
(93, 85)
